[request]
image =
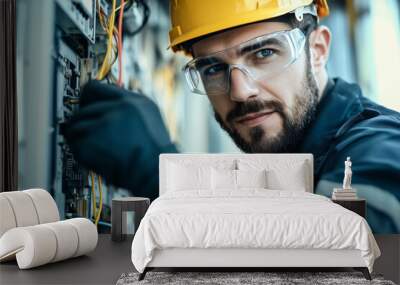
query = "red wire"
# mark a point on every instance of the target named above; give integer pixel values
(121, 16)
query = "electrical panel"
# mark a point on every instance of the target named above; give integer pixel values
(61, 45)
(70, 177)
(78, 17)
(75, 63)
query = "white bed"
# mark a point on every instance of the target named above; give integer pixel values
(195, 224)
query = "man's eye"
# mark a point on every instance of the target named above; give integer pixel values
(215, 69)
(264, 53)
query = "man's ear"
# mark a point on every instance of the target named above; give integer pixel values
(320, 41)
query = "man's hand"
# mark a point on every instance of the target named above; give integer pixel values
(119, 135)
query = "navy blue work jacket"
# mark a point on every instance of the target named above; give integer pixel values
(349, 124)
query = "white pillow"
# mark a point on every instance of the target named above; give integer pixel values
(282, 174)
(223, 179)
(293, 178)
(188, 177)
(251, 178)
(226, 179)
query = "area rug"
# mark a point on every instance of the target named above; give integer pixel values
(243, 278)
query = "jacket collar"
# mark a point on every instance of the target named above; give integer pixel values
(339, 103)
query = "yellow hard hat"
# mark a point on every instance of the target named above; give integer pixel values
(191, 19)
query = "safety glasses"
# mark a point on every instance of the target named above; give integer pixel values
(258, 58)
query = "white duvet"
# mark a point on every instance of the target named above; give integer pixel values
(250, 219)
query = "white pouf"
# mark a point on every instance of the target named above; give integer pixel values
(31, 233)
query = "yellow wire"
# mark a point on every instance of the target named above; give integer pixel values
(113, 60)
(110, 31)
(93, 195)
(113, 31)
(100, 201)
(113, 56)
(108, 61)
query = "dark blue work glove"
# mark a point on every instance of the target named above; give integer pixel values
(119, 135)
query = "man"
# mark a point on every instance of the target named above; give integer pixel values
(270, 91)
(262, 66)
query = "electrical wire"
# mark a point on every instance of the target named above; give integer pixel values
(115, 48)
(105, 67)
(100, 200)
(114, 36)
(101, 223)
(115, 56)
(96, 211)
(117, 44)
(120, 20)
(93, 194)
(101, 16)
(128, 4)
(108, 58)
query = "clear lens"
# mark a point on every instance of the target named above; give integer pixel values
(259, 58)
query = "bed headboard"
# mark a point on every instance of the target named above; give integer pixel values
(211, 158)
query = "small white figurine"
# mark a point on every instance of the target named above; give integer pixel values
(347, 174)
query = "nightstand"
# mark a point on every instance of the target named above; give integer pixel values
(358, 205)
(120, 206)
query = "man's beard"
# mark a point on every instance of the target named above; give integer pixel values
(294, 126)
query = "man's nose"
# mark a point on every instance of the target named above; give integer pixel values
(242, 87)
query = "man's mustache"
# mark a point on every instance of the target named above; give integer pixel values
(253, 106)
